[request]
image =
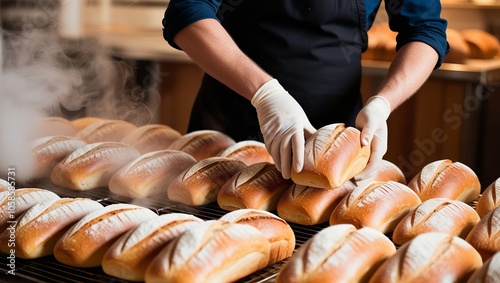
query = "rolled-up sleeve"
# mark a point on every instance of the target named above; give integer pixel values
(181, 13)
(419, 20)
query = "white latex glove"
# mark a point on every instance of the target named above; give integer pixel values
(284, 126)
(372, 121)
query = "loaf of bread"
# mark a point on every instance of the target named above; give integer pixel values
(446, 179)
(85, 243)
(4, 185)
(258, 186)
(489, 199)
(55, 126)
(485, 236)
(489, 272)
(211, 252)
(15, 202)
(91, 166)
(436, 215)
(279, 234)
(309, 205)
(459, 49)
(49, 151)
(339, 253)
(248, 152)
(151, 137)
(203, 143)
(381, 43)
(81, 123)
(378, 205)
(333, 155)
(150, 174)
(131, 254)
(41, 226)
(106, 130)
(482, 44)
(200, 183)
(430, 257)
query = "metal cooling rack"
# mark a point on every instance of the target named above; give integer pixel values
(49, 270)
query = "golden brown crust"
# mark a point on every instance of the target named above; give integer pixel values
(83, 122)
(131, 254)
(48, 151)
(485, 236)
(212, 252)
(489, 199)
(430, 257)
(489, 272)
(55, 126)
(333, 155)
(85, 243)
(150, 174)
(201, 182)
(151, 137)
(379, 205)
(105, 131)
(436, 215)
(91, 166)
(203, 143)
(248, 152)
(339, 253)
(444, 178)
(276, 230)
(459, 49)
(41, 226)
(21, 200)
(257, 186)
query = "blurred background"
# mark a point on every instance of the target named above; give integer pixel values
(107, 58)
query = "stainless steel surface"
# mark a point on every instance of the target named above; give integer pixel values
(49, 270)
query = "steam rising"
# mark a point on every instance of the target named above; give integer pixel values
(46, 75)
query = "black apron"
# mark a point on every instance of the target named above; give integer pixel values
(312, 47)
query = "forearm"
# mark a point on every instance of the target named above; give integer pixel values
(409, 70)
(208, 44)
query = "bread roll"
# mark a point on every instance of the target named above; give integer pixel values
(258, 186)
(48, 151)
(489, 199)
(482, 44)
(310, 205)
(151, 137)
(81, 123)
(489, 272)
(203, 143)
(459, 49)
(436, 215)
(379, 205)
(333, 155)
(446, 179)
(485, 236)
(85, 243)
(41, 226)
(15, 202)
(150, 174)
(4, 185)
(212, 252)
(279, 234)
(430, 257)
(338, 253)
(55, 126)
(131, 254)
(201, 182)
(105, 131)
(248, 152)
(91, 166)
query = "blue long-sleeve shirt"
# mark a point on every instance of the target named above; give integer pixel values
(413, 20)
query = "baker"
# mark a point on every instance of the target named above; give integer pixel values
(278, 69)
